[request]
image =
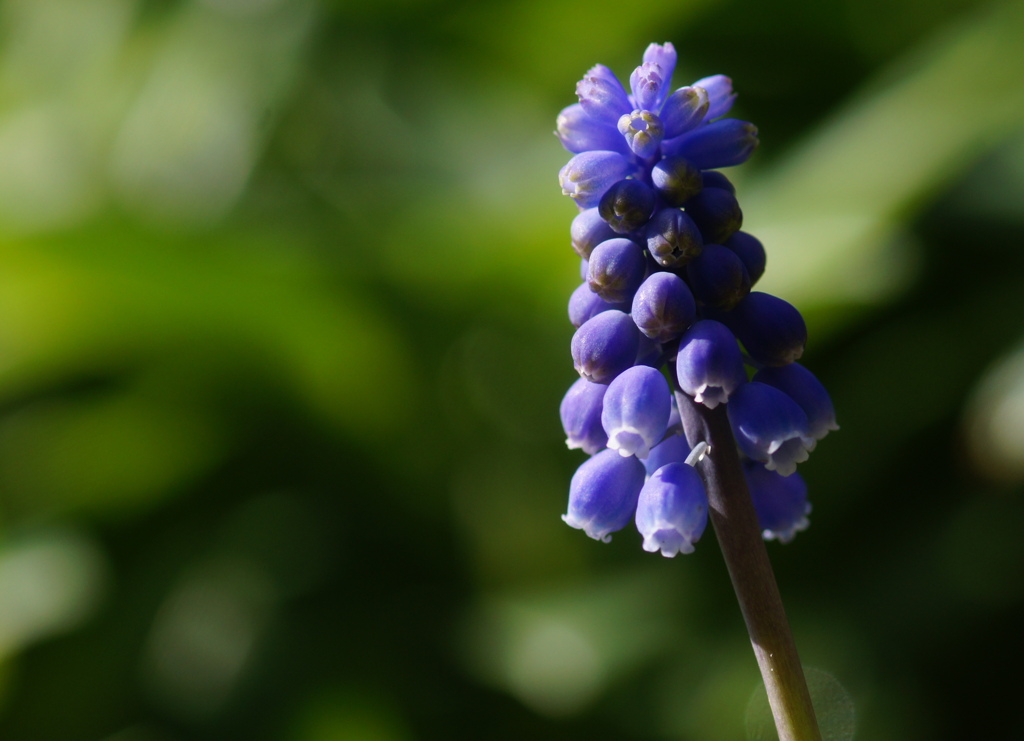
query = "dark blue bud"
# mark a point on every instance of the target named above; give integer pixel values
(635, 411)
(663, 307)
(587, 176)
(800, 385)
(672, 238)
(580, 132)
(581, 416)
(715, 179)
(718, 277)
(780, 502)
(684, 110)
(627, 205)
(750, 250)
(585, 304)
(677, 180)
(769, 427)
(587, 231)
(602, 95)
(643, 132)
(605, 346)
(672, 510)
(723, 143)
(709, 365)
(603, 494)
(673, 449)
(771, 330)
(716, 213)
(720, 95)
(616, 269)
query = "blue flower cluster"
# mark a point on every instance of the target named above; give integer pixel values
(666, 294)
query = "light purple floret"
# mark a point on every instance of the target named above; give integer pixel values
(603, 494)
(672, 510)
(588, 230)
(580, 132)
(663, 307)
(581, 416)
(616, 269)
(770, 427)
(636, 410)
(588, 175)
(605, 346)
(709, 365)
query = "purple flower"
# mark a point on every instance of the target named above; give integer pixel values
(603, 494)
(589, 174)
(770, 427)
(581, 416)
(672, 510)
(800, 385)
(709, 365)
(604, 346)
(663, 307)
(636, 410)
(780, 501)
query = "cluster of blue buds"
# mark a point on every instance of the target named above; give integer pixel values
(666, 302)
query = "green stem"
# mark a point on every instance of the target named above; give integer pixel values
(739, 536)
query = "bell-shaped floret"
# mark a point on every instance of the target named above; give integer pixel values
(587, 176)
(769, 427)
(605, 346)
(709, 365)
(664, 55)
(720, 95)
(672, 238)
(684, 110)
(584, 304)
(616, 269)
(800, 385)
(772, 330)
(603, 494)
(672, 511)
(750, 250)
(602, 95)
(643, 132)
(717, 214)
(663, 307)
(780, 502)
(673, 449)
(635, 411)
(587, 231)
(581, 416)
(718, 277)
(580, 132)
(724, 143)
(677, 180)
(627, 205)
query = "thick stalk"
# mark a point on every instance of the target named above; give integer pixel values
(739, 536)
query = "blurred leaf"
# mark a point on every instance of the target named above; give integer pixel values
(828, 212)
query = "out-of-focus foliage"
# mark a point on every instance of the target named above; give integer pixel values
(282, 339)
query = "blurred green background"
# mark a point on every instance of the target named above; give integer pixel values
(283, 336)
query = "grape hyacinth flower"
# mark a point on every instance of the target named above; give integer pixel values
(669, 335)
